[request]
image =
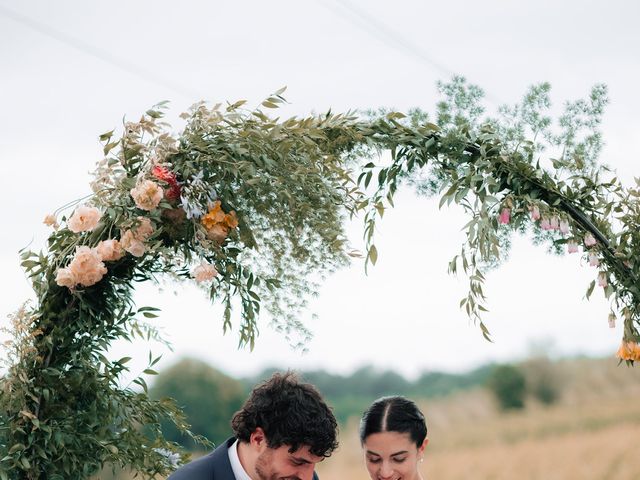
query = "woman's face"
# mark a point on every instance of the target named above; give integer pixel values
(392, 456)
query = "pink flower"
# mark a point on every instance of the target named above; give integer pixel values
(66, 278)
(544, 224)
(572, 247)
(535, 213)
(110, 250)
(84, 219)
(147, 195)
(504, 216)
(204, 272)
(564, 227)
(87, 266)
(553, 223)
(602, 280)
(589, 241)
(594, 261)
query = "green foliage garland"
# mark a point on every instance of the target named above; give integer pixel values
(252, 208)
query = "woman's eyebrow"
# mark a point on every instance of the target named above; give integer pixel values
(401, 452)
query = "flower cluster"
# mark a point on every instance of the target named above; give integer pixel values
(562, 225)
(218, 223)
(87, 266)
(85, 269)
(629, 351)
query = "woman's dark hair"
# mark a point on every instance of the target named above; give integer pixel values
(290, 413)
(394, 414)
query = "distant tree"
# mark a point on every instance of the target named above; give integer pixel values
(544, 382)
(508, 384)
(207, 396)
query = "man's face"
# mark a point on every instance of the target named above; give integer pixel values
(280, 464)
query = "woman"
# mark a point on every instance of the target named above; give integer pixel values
(393, 434)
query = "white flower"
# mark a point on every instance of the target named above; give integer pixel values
(171, 458)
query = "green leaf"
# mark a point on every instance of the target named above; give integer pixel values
(373, 254)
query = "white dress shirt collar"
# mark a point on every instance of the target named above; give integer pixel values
(238, 470)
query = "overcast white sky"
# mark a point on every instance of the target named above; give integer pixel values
(72, 69)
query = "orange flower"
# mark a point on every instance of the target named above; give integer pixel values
(629, 351)
(216, 215)
(231, 219)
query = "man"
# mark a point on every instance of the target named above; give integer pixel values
(282, 430)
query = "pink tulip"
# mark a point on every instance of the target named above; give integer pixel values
(564, 226)
(553, 223)
(589, 241)
(594, 261)
(602, 280)
(504, 216)
(544, 224)
(535, 213)
(572, 247)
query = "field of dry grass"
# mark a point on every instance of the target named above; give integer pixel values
(592, 433)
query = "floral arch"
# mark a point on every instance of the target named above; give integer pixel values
(248, 206)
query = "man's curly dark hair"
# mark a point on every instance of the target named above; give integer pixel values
(290, 413)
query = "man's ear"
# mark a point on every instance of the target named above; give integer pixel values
(258, 439)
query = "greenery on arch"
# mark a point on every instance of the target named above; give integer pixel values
(252, 208)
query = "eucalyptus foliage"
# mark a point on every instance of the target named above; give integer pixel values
(253, 208)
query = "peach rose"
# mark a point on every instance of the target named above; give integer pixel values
(66, 278)
(204, 272)
(110, 250)
(144, 229)
(84, 219)
(50, 221)
(147, 195)
(132, 244)
(87, 266)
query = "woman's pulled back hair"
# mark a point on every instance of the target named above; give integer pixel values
(290, 413)
(394, 414)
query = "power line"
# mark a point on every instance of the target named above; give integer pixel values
(376, 28)
(99, 53)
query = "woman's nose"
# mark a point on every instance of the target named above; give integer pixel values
(385, 470)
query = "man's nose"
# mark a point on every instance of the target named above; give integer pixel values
(306, 472)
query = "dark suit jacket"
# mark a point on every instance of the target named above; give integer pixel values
(215, 466)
